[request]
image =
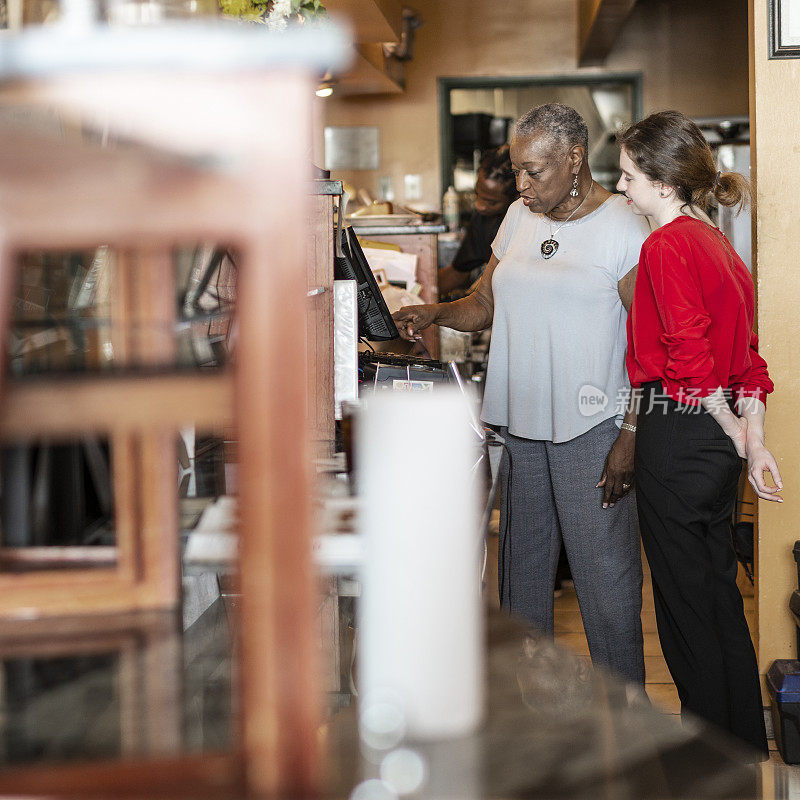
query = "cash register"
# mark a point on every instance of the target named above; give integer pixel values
(380, 371)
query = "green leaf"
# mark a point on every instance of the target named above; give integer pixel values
(258, 9)
(250, 10)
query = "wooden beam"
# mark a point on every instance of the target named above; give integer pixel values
(65, 631)
(29, 558)
(210, 775)
(600, 22)
(774, 110)
(85, 206)
(101, 404)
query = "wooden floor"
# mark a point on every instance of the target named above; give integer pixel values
(569, 632)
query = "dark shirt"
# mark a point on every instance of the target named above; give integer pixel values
(476, 246)
(691, 325)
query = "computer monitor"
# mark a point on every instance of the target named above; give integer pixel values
(374, 320)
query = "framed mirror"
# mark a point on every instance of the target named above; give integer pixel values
(784, 28)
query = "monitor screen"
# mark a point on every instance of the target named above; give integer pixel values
(374, 320)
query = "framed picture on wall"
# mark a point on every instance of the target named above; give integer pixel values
(784, 28)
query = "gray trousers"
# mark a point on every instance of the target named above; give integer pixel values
(549, 496)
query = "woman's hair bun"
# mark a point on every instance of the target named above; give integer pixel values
(731, 189)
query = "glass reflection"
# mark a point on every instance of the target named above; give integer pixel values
(87, 311)
(60, 708)
(56, 495)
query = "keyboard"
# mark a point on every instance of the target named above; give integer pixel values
(367, 357)
(395, 371)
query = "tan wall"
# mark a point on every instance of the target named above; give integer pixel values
(775, 113)
(693, 54)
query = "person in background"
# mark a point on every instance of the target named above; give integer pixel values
(556, 293)
(693, 352)
(495, 190)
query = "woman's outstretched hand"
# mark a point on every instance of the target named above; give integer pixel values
(410, 320)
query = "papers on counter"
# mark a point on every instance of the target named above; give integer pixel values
(399, 267)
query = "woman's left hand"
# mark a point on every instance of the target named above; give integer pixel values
(759, 461)
(617, 477)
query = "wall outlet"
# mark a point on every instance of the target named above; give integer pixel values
(413, 187)
(386, 188)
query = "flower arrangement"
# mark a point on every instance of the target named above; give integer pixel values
(276, 14)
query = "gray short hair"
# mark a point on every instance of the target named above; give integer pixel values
(563, 124)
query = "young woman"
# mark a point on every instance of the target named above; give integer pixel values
(692, 350)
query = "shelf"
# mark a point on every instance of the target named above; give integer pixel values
(600, 24)
(369, 74)
(371, 20)
(114, 404)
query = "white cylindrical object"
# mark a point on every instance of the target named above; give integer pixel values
(421, 614)
(450, 209)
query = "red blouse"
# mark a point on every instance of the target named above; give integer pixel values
(691, 324)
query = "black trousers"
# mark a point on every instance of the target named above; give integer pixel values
(687, 472)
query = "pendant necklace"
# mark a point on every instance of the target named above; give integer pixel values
(550, 246)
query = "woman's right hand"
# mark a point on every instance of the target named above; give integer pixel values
(410, 320)
(739, 436)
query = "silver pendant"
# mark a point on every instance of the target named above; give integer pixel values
(549, 248)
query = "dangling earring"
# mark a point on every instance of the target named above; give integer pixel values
(574, 190)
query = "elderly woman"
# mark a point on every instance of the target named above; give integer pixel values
(556, 291)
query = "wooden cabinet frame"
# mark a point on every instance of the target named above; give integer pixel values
(61, 196)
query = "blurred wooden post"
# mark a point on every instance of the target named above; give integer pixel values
(278, 655)
(319, 325)
(153, 345)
